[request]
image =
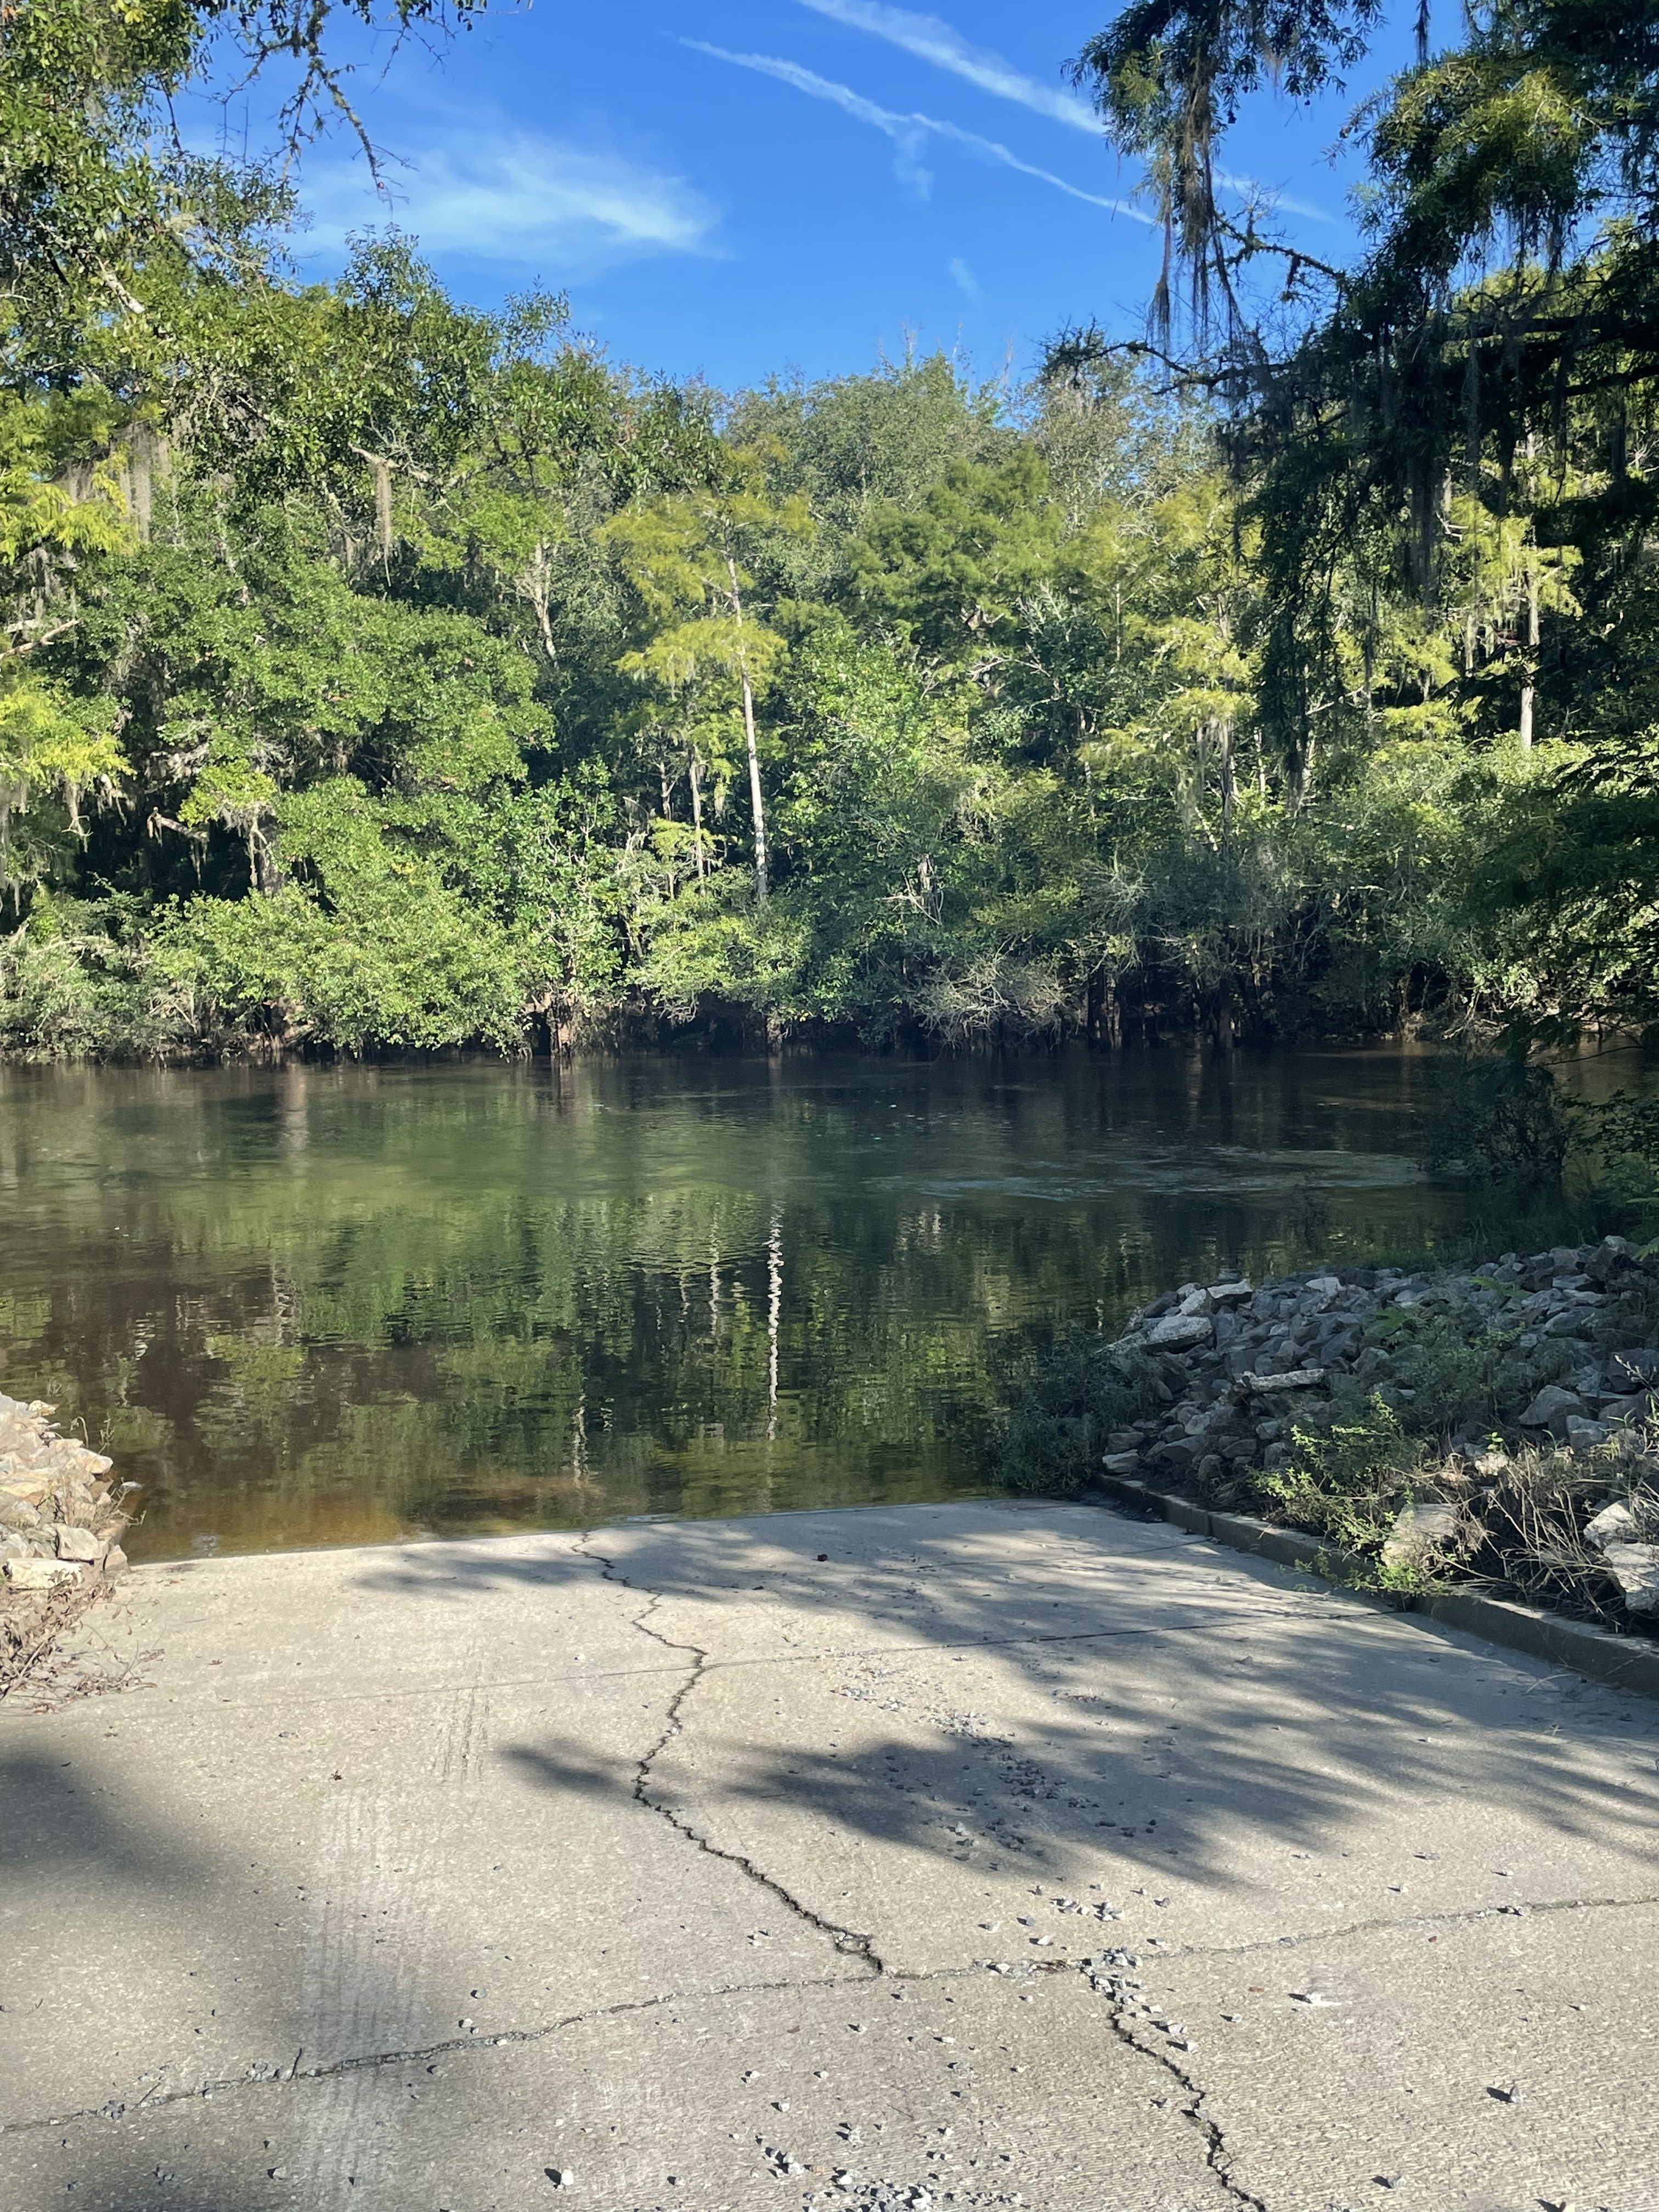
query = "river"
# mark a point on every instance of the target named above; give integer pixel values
(328, 1305)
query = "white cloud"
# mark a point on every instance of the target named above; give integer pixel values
(933, 40)
(516, 198)
(908, 132)
(965, 279)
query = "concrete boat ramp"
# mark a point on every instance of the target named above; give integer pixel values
(969, 1856)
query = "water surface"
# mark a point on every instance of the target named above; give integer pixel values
(329, 1305)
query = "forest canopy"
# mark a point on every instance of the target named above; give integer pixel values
(382, 673)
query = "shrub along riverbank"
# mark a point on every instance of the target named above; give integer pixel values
(1496, 1425)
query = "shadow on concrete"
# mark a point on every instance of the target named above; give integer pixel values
(121, 1935)
(62, 1824)
(1251, 1713)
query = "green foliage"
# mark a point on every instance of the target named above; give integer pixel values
(1446, 1377)
(380, 673)
(950, 573)
(1445, 448)
(1066, 1405)
(1498, 1121)
(1346, 1484)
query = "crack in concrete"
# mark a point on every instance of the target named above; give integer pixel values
(1123, 2020)
(1452, 1918)
(1215, 2141)
(458, 2046)
(452, 2046)
(847, 1940)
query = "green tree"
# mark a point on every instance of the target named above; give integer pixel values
(692, 557)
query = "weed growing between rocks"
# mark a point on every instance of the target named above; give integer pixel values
(1495, 1424)
(1544, 1528)
(1346, 1483)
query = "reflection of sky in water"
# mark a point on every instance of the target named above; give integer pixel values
(317, 1305)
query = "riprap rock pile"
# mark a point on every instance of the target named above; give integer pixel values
(1539, 1371)
(61, 1519)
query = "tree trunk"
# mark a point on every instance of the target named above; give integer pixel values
(538, 591)
(1228, 780)
(697, 813)
(381, 470)
(756, 803)
(1529, 688)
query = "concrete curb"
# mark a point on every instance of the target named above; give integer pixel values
(1625, 1662)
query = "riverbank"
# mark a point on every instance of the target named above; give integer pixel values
(1495, 1426)
(61, 1523)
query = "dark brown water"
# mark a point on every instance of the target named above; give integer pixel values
(316, 1306)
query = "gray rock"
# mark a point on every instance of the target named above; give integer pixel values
(1420, 1529)
(1550, 1408)
(1613, 1257)
(1584, 1436)
(115, 1562)
(1296, 1378)
(42, 1573)
(78, 1543)
(1614, 1524)
(1566, 1325)
(1179, 1330)
(1635, 1369)
(1175, 1457)
(1636, 1569)
(1121, 1463)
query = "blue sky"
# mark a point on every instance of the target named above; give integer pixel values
(732, 187)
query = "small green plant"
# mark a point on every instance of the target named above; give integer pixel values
(1454, 1378)
(1407, 1575)
(1346, 1484)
